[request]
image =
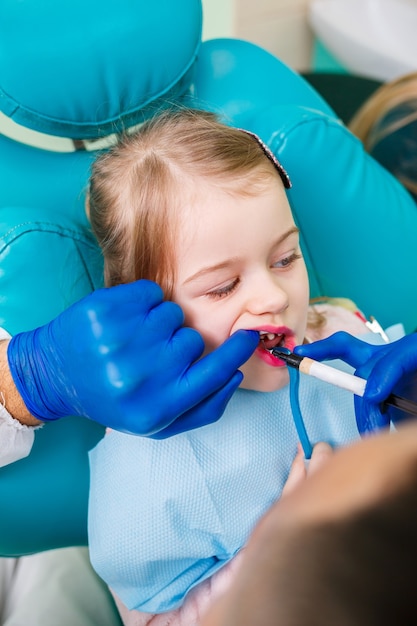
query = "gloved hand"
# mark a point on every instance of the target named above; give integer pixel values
(388, 368)
(121, 357)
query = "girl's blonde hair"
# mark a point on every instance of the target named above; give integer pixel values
(138, 186)
(390, 108)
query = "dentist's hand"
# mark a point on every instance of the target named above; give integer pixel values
(121, 357)
(390, 368)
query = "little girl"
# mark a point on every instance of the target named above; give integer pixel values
(201, 208)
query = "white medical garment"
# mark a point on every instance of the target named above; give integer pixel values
(16, 439)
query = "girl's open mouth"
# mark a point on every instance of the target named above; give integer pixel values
(268, 341)
(270, 338)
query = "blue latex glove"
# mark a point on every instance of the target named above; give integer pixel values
(388, 368)
(121, 357)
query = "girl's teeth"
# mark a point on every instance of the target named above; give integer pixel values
(267, 335)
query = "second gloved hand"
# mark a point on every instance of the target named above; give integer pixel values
(121, 357)
(389, 368)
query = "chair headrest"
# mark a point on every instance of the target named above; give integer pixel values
(65, 69)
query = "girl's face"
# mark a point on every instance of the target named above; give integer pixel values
(239, 266)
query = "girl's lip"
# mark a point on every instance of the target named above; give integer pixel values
(281, 331)
(277, 330)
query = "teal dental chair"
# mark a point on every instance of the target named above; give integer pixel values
(72, 74)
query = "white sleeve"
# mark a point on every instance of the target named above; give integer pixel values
(16, 439)
(4, 334)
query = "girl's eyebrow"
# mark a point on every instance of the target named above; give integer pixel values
(225, 264)
(212, 268)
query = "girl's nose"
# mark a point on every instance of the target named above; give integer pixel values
(267, 296)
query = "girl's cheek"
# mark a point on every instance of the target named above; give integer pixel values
(211, 343)
(213, 326)
(212, 339)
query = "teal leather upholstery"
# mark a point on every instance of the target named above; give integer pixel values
(86, 69)
(94, 68)
(47, 262)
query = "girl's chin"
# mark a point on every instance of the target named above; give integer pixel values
(266, 383)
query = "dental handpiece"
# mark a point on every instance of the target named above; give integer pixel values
(339, 378)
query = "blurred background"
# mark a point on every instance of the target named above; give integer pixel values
(284, 28)
(345, 48)
(280, 26)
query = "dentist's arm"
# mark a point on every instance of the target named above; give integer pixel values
(11, 398)
(122, 357)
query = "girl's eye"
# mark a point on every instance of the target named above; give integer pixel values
(221, 292)
(287, 261)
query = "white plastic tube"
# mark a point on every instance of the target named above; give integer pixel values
(333, 376)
